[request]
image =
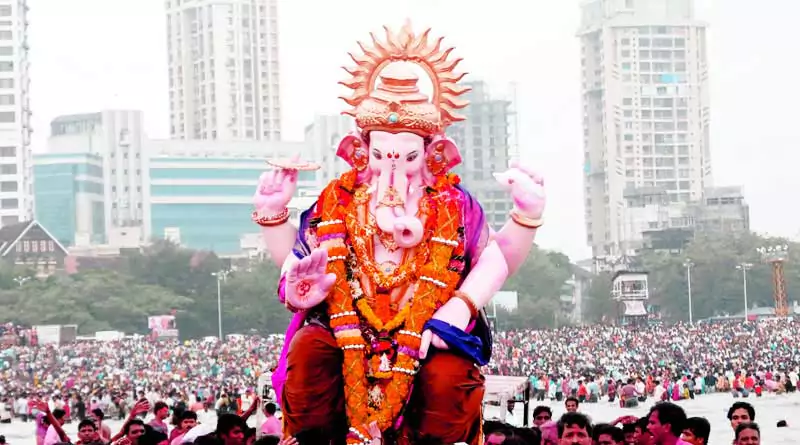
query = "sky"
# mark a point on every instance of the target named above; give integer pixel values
(88, 55)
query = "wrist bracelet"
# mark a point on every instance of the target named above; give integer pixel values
(473, 308)
(271, 221)
(524, 221)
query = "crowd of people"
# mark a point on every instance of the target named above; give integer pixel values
(587, 364)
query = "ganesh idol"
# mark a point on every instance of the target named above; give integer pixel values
(389, 271)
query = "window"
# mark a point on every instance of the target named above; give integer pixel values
(8, 117)
(8, 152)
(9, 203)
(6, 51)
(627, 101)
(6, 66)
(6, 99)
(6, 83)
(8, 169)
(43, 246)
(51, 246)
(34, 246)
(5, 10)
(6, 35)
(26, 246)
(8, 186)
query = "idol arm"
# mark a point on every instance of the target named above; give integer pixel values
(486, 277)
(515, 242)
(279, 242)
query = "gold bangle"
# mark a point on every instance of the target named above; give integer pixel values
(473, 308)
(271, 221)
(524, 221)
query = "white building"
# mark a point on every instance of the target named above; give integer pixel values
(117, 136)
(223, 69)
(322, 136)
(16, 177)
(646, 109)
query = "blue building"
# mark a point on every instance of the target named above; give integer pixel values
(205, 202)
(68, 192)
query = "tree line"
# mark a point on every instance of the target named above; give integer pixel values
(163, 278)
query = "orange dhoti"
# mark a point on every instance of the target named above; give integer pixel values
(445, 405)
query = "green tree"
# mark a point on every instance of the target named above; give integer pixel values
(538, 284)
(96, 300)
(250, 301)
(599, 305)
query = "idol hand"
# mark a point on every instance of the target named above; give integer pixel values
(307, 284)
(275, 189)
(527, 189)
(456, 313)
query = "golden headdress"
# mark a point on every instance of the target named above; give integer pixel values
(397, 105)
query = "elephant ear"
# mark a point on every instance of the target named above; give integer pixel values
(442, 155)
(353, 150)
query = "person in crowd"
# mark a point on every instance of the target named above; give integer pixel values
(605, 434)
(272, 425)
(160, 413)
(57, 419)
(98, 416)
(88, 433)
(571, 404)
(741, 412)
(132, 431)
(574, 429)
(696, 431)
(541, 415)
(666, 422)
(188, 420)
(747, 433)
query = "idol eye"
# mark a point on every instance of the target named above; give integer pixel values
(377, 154)
(412, 156)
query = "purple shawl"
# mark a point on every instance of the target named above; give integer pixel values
(476, 235)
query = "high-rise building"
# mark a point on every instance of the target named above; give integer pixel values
(117, 137)
(223, 69)
(483, 139)
(16, 178)
(645, 110)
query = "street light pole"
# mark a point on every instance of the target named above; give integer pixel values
(220, 276)
(688, 264)
(744, 267)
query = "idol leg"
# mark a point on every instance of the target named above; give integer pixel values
(313, 395)
(447, 400)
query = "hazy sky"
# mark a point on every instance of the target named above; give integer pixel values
(93, 54)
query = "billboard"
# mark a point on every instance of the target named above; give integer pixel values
(162, 326)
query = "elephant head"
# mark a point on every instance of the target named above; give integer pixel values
(399, 166)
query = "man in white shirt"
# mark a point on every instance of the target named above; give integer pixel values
(52, 437)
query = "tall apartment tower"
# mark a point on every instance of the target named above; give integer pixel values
(483, 139)
(645, 109)
(16, 162)
(223, 69)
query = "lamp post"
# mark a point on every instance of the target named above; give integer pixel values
(688, 264)
(220, 277)
(744, 267)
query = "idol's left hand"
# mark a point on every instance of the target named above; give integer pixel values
(455, 312)
(526, 188)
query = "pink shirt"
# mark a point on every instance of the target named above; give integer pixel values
(272, 427)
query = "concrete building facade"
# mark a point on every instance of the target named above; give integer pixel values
(16, 175)
(484, 141)
(224, 71)
(645, 109)
(117, 137)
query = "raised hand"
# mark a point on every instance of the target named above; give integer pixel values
(274, 191)
(527, 189)
(307, 284)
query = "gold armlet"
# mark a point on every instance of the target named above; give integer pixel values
(473, 308)
(524, 221)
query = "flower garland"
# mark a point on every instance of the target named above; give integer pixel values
(435, 286)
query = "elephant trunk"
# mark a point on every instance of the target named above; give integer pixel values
(390, 213)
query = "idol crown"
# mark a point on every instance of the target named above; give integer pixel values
(397, 105)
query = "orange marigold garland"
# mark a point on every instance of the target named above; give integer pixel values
(434, 287)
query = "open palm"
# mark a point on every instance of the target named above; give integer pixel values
(307, 284)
